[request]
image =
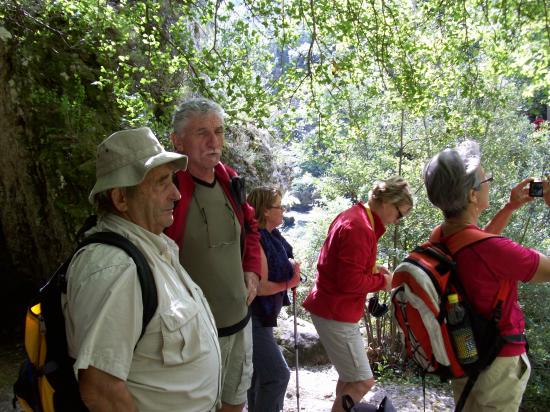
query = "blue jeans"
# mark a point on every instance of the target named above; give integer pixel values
(271, 373)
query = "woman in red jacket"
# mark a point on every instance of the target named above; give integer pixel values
(346, 273)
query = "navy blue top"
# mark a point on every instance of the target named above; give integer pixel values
(277, 251)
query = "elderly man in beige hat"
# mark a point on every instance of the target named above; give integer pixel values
(176, 364)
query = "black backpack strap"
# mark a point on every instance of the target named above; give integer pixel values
(237, 188)
(89, 223)
(347, 402)
(146, 279)
(466, 391)
(520, 337)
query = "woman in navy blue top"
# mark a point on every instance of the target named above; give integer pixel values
(279, 273)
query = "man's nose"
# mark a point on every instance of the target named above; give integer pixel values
(213, 140)
(175, 194)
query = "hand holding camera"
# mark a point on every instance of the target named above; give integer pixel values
(540, 188)
(536, 188)
(519, 195)
(528, 190)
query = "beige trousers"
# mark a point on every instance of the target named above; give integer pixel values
(498, 388)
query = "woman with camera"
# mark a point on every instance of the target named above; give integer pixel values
(458, 185)
(346, 273)
(279, 273)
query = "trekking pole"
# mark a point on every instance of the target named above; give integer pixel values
(296, 363)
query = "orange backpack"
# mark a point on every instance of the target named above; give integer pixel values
(421, 285)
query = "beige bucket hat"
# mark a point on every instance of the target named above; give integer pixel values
(125, 158)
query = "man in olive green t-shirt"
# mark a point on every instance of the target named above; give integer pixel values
(218, 239)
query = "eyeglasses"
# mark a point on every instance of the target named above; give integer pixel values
(486, 180)
(281, 208)
(230, 215)
(399, 214)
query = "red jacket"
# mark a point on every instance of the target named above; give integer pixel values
(344, 269)
(245, 215)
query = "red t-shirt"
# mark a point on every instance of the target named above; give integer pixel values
(345, 265)
(481, 268)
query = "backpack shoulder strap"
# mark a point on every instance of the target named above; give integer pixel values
(236, 183)
(459, 240)
(237, 191)
(466, 237)
(146, 279)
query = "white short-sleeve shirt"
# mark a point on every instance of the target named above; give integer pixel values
(176, 365)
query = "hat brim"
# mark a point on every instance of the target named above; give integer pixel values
(134, 173)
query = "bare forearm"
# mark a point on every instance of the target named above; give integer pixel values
(268, 287)
(102, 392)
(519, 196)
(497, 224)
(251, 281)
(104, 404)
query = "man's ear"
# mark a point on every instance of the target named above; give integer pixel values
(119, 199)
(177, 141)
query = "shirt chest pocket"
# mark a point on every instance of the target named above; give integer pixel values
(183, 338)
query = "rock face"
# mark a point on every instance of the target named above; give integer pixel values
(257, 157)
(310, 349)
(304, 193)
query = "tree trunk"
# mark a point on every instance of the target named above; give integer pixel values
(33, 235)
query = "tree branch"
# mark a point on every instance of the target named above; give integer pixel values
(218, 3)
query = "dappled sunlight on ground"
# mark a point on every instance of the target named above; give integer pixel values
(317, 393)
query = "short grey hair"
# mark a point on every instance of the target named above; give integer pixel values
(450, 175)
(189, 107)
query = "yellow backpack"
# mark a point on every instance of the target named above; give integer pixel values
(46, 381)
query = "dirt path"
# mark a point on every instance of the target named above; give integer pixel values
(317, 393)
